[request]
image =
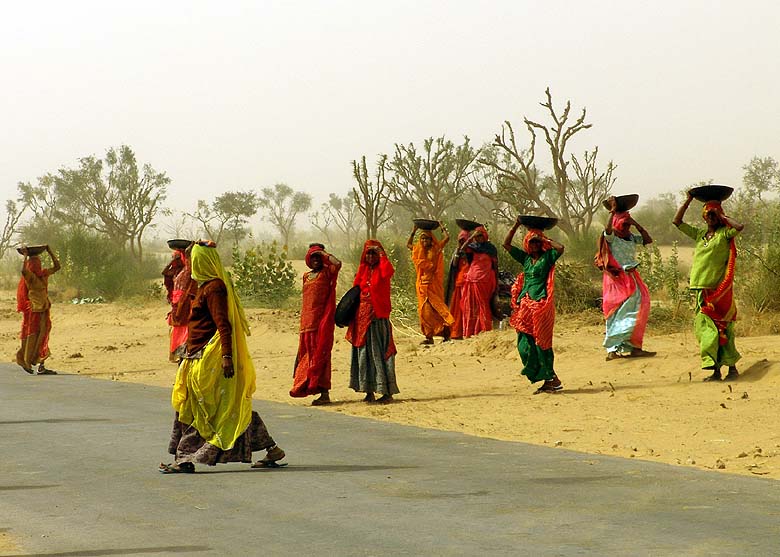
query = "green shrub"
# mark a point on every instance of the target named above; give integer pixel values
(263, 274)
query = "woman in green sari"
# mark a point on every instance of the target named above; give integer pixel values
(712, 279)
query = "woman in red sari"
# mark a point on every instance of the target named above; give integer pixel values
(32, 301)
(480, 283)
(459, 266)
(312, 364)
(371, 333)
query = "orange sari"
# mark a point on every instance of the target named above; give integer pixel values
(433, 312)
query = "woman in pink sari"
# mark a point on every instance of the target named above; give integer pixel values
(626, 299)
(479, 283)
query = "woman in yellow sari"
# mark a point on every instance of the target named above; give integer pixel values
(212, 395)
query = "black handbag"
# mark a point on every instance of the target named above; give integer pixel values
(347, 306)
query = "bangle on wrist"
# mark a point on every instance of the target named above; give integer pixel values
(228, 356)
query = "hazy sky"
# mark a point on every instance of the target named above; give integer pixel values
(239, 95)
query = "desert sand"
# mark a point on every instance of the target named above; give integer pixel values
(655, 409)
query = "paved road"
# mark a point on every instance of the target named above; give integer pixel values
(78, 477)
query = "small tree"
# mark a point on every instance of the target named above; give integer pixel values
(371, 196)
(431, 181)
(111, 196)
(229, 212)
(283, 205)
(762, 175)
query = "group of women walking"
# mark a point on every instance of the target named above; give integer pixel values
(212, 394)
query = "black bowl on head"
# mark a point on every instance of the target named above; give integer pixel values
(711, 192)
(426, 224)
(624, 202)
(179, 243)
(31, 250)
(537, 222)
(467, 225)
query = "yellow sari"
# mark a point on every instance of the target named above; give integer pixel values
(219, 408)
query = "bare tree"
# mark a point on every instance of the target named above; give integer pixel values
(341, 212)
(283, 205)
(588, 191)
(573, 201)
(507, 176)
(430, 182)
(13, 213)
(229, 212)
(371, 196)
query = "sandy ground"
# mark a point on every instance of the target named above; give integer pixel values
(654, 409)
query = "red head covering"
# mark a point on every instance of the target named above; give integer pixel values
(314, 248)
(535, 233)
(426, 233)
(375, 280)
(715, 207)
(463, 235)
(621, 222)
(483, 230)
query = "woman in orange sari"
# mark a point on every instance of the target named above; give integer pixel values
(428, 259)
(370, 332)
(312, 364)
(32, 301)
(480, 283)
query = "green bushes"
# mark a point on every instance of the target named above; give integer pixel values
(263, 274)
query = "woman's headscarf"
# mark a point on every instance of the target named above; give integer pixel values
(714, 207)
(621, 222)
(206, 266)
(535, 233)
(463, 235)
(313, 248)
(483, 230)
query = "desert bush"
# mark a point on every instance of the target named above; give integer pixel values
(264, 275)
(576, 286)
(663, 277)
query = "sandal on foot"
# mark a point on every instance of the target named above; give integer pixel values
(385, 399)
(273, 455)
(613, 356)
(44, 371)
(732, 375)
(714, 377)
(320, 401)
(639, 353)
(173, 468)
(369, 397)
(550, 386)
